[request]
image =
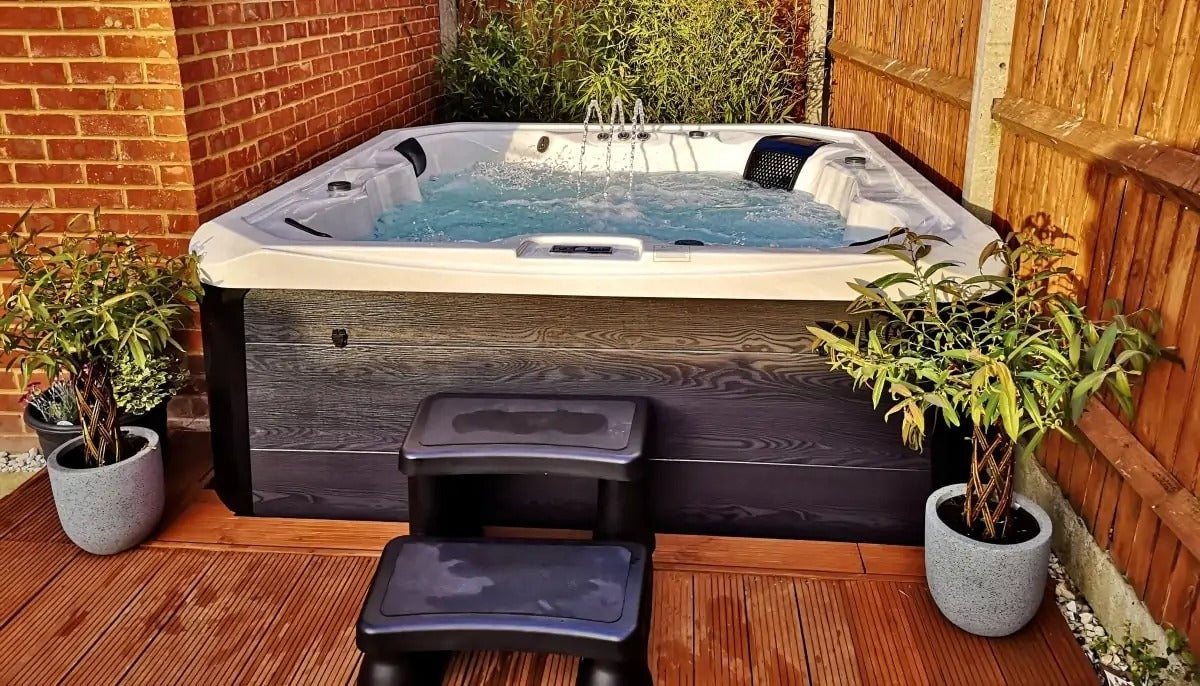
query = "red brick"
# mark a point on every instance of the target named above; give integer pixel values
(175, 175)
(64, 46)
(12, 46)
(212, 41)
(32, 72)
(199, 121)
(218, 91)
(10, 401)
(224, 140)
(87, 198)
(237, 111)
(81, 149)
(114, 124)
(53, 124)
(191, 17)
(227, 13)
(148, 99)
(170, 125)
(243, 158)
(154, 151)
(249, 83)
(16, 99)
(94, 18)
(22, 149)
(6, 177)
(260, 59)
(121, 174)
(244, 38)
(160, 199)
(11, 424)
(208, 169)
(72, 99)
(283, 8)
(274, 33)
(139, 46)
(106, 72)
(24, 197)
(163, 73)
(256, 11)
(155, 18)
(42, 173)
(185, 224)
(30, 17)
(132, 223)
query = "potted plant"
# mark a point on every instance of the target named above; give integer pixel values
(1015, 358)
(142, 392)
(77, 309)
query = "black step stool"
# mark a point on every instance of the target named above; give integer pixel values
(444, 588)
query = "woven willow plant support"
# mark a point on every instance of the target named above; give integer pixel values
(98, 414)
(1005, 351)
(989, 490)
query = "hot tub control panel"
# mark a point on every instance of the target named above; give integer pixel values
(582, 249)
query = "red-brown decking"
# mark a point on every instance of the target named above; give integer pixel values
(216, 599)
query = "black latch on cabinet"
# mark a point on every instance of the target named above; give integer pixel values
(340, 338)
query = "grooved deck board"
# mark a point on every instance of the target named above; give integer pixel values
(24, 569)
(222, 600)
(776, 637)
(722, 648)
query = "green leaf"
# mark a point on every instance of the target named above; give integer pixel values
(1104, 347)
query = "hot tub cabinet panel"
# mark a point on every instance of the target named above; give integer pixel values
(757, 436)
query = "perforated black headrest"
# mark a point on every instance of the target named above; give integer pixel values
(776, 161)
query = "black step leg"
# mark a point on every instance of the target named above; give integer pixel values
(414, 669)
(605, 673)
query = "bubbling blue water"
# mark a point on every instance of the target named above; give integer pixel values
(494, 201)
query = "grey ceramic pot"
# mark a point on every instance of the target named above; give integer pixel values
(105, 510)
(987, 589)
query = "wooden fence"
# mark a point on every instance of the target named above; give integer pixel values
(903, 69)
(1099, 155)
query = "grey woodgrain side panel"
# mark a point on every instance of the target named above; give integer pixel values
(726, 499)
(712, 406)
(455, 319)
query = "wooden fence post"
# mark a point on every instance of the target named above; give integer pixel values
(816, 63)
(992, 56)
(448, 24)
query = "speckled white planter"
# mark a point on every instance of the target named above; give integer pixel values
(985, 588)
(105, 510)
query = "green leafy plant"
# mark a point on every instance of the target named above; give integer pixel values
(1145, 665)
(544, 60)
(141, 388)
(79, 304)
(1010, 354)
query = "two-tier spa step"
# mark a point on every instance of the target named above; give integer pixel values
(445, 589)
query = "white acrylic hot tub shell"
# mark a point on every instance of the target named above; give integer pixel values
(250, 246)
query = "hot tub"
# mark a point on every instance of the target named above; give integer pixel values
(322, 334)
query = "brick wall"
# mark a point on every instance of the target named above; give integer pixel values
(274, 88)
(164, 114)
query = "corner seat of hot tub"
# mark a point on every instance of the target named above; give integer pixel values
(312, 391)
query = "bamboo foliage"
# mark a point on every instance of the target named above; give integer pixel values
(541, 60)
(1003, 350)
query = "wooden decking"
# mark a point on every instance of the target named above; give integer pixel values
(216, 599)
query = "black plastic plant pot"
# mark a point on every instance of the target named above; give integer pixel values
(50, 435)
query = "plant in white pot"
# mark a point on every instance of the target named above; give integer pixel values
(77, 308)
(1015, 359)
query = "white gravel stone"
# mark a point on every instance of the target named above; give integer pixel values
(11, 463)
